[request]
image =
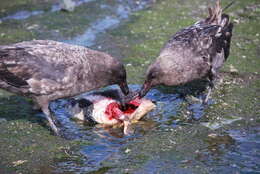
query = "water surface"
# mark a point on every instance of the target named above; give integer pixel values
(180, 136)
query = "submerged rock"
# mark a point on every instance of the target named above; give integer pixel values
(216, 124)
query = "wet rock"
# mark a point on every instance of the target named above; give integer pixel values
(19, 162)
(127, 150)
(216, 140)
(2, 120)
(33, 27)
(67, 5)
(233, 69)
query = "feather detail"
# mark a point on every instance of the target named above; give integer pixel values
(46, 70)
(193, 53)
(214, 14)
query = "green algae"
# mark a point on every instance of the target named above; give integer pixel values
(150, 29)
(10, 7)
(49, 25)
(23, 138)
(139, 42)
(236, 94)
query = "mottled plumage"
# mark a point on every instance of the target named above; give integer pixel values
(46, 70)
(192, 53)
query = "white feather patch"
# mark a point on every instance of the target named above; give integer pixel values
(80, 115)
(99, 110)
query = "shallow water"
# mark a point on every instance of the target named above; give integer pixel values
(108, 144)
(116, 12)
(181, 135)
(236, 150)
(20, 15)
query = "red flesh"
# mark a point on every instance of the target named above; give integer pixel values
(113, 110)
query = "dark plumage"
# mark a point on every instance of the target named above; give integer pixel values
(46, 70)
(192, 53)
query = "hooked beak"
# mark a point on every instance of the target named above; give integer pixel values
(145, 88)
(124, 88)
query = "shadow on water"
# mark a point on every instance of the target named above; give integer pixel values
(13, 104)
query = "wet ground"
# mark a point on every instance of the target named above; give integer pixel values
(180, 136)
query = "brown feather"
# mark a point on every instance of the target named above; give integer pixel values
(49, 66)
(195, 52)
(46, 70)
